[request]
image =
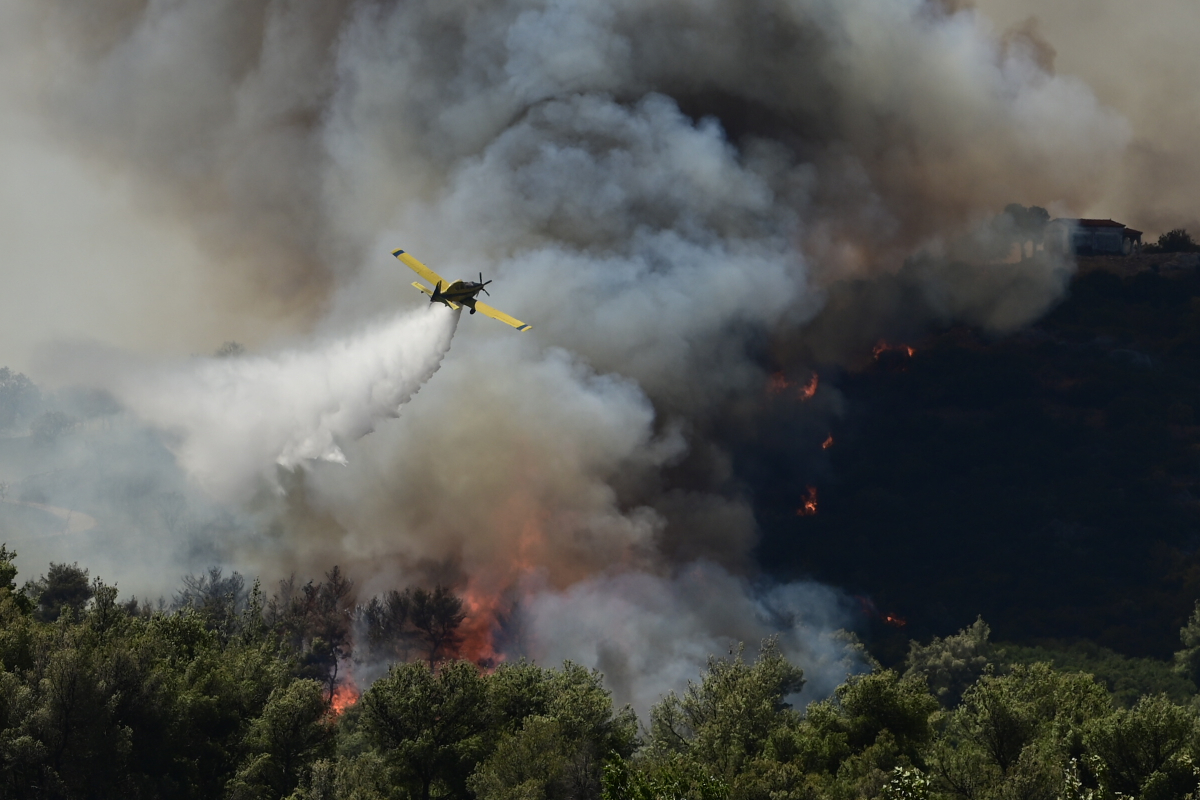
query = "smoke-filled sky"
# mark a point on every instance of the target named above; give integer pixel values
(682, 196)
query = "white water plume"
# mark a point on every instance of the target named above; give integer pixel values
(230, 420)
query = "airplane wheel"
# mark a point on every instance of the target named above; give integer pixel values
(472, 311)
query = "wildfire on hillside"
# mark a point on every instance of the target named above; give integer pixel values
(809, 389)
(828, 443)
(344, 696)
(808, 507)
(883, 347)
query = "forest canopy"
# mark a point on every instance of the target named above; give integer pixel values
(229, 693)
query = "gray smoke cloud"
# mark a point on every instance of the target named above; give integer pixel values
(703, 611)
(1143, 66)
(679, 195)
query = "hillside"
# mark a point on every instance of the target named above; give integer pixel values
(1048, 480)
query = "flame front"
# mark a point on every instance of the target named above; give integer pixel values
(344, 696)
(809, 389)
(828, 443)
(809, 507)
(479, 628)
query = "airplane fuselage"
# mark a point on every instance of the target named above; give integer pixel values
(461, 292)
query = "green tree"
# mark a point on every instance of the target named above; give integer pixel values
(430, 726)
(1016, 733)
(1147, 751)
(437, 616)
(558, 727)
(726, 720)
(63, 586)
(383, 626)
(19, 399)
(952, 664)
(1177, 241)
(315, 622)
(220, 600)
(283, 743)
(531, 764)
(1187, 660)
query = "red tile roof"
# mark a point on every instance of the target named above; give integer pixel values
(1096, 223)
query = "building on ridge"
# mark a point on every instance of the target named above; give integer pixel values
(1087, 237)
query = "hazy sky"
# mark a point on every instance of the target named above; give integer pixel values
(1141, 59)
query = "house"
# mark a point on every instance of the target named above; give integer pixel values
(1092, 237)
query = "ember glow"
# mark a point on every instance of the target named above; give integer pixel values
(778, 383)
(809, 389)
(828, 443)
(809, 507)
(884, 347)
(869, 608)
(344, 696)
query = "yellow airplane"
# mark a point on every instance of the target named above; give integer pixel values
(459, 293)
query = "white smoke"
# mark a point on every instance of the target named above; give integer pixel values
(650, 635)
(230, 421)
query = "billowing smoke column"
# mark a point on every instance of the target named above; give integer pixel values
(674, 193)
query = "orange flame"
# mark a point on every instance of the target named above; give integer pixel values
(828, 443)
(809, 506)
(884, 347)
(810, 388)
(479, 628)
(778, 383)
(344, 696)
(868, 608)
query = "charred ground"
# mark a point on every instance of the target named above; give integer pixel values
(1048, 480)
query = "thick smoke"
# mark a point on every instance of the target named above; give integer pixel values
(648, 633)
(1144, 66)
(681, 195)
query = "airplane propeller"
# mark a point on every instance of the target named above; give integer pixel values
(483, 285)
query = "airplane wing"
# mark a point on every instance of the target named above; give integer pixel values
(419, 268)
(495, 313)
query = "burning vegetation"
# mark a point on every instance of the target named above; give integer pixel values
(884, 347)
(808, 506)
(808, 390)
(870, 610)
(779, 383)
(344, 696)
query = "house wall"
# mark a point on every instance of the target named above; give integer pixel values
(1098, 240)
